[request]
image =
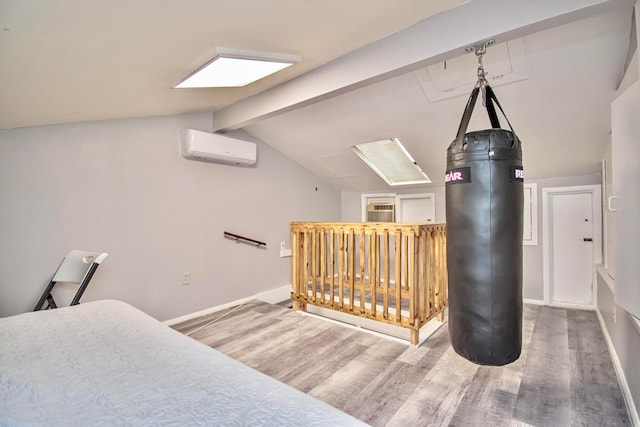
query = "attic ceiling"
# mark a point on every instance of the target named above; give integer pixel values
(78, 60)
(370, 70)
(560, 110)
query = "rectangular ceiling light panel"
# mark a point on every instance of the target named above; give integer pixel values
(389, 159)
(236, 68)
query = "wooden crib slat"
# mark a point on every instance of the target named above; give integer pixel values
(323, 264)
(306, 250)
(428, 274)
(312, 267)
(405, 261)
(374, 270)
(440, 258)
(363, 272)
(387, 263)
(422, 267)
(341, 272)
(398, 284)
(295, 269)
(332, 272)
(352, 268)
(411, 276)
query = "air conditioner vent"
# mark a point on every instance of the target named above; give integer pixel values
(214, 147)
(381, 212)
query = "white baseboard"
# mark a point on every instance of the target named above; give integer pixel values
(207, 311)
(570, 306)
(271, 296)
(588, 307)
(622, 380)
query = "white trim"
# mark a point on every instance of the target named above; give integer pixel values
(605, 227)
(622, 380)
(533, 198)
(570, 306)
(603, 273)
(271, 296)
(547, 193)
(559, 304)
(207, 311)
(634, 321)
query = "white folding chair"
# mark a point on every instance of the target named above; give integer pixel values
(76, 267)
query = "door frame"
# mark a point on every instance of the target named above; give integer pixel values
(547, 250)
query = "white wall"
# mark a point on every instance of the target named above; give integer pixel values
(351, 209)
(121, 186)
(620, 327)
(624, 336)
(532, 285)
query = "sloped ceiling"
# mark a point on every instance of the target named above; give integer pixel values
(66, 61)
(79, 60)
(560, 111)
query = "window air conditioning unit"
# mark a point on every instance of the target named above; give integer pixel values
(214, 147)
(381, 212)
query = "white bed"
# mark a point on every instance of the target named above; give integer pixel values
(105, 363)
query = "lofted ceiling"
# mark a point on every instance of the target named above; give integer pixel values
(371, 69)
(559, 107)
(78, 60)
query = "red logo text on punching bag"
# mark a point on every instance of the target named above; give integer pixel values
(458, 176)
(516, 174)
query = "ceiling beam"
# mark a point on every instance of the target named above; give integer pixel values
(438, 38)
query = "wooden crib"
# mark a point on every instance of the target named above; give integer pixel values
(389, 272)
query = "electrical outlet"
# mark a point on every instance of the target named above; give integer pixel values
(186, 278)
(284, 252)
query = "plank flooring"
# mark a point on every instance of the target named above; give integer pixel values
(564, 377)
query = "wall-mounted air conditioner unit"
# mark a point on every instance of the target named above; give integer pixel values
(381, 212)
(213, 147)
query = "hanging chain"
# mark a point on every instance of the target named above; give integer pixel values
(482, 74)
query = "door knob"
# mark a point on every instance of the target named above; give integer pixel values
(588, 239)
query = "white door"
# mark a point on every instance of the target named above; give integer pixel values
(416, 207)
(571, 240)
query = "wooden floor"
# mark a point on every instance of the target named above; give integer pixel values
(564, 377)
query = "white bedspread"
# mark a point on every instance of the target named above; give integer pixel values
(106, 363)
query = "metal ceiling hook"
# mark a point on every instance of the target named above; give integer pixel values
(480, 50)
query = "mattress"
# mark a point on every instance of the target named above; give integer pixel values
(106, 363)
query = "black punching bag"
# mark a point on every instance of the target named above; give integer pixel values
(484, 202)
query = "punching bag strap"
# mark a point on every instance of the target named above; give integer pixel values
(491, 111)
(491, 99)
(466, 116)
